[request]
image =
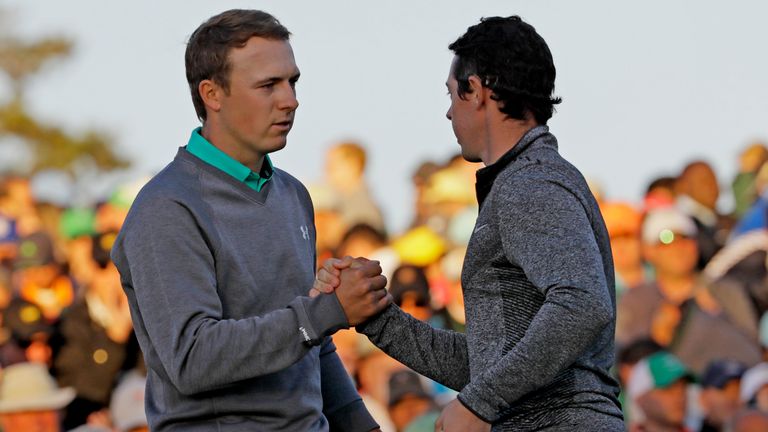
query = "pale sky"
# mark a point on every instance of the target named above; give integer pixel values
(646, 86)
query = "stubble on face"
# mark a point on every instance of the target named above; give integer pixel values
(258, 110)
(459, 113)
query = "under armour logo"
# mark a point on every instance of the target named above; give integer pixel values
(304, 232)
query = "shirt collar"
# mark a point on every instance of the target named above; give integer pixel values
(212, 155)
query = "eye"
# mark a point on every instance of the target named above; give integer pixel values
(268, 86)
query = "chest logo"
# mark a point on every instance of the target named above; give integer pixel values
(304, 232)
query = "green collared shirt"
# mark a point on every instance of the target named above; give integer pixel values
(211, 155)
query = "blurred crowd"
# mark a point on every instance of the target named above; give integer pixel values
(691, 289)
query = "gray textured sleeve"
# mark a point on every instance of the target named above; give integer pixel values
(438, 354)
(342, 405)
(164, 258)
(546, 231)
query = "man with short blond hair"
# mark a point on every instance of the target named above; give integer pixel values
(217, 257)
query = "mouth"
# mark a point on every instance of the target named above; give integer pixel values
(283, 125)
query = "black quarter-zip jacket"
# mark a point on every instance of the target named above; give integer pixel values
(538, 283)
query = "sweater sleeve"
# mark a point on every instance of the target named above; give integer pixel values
(342, 405)
(545, 230)
(438, 354)
(168, 266)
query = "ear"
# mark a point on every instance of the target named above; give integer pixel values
(211, 94)
(478, 94)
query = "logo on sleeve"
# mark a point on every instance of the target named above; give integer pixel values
(305, 334)
(304, 232)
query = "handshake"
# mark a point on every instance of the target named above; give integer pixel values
(359, 285)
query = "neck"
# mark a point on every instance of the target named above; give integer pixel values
(217, 135)
(676, 288)
(504, 134)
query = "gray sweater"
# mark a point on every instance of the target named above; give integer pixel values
(217, 275)
(540, 310)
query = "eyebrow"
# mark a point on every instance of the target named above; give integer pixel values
(294, 77)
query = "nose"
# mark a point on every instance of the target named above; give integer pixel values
(288, 101)
(448, 114)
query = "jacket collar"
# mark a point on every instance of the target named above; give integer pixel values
(487, 175)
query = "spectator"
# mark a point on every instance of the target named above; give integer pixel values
(626, 360)
(756, 216)
(453, 314)
(410, 291)
(8, 238)
(349, 347)
(30, 400)
(449, 191)
(710, 330)
(409, 403)
(749, 421)
(373, 372)
(697, 194)
(365, 241)
(744, 191)
(96, 330)
(16, 199)
(40, 278)
(345, 171)
(420, 179)
(669, 246)
(719, 397)
(660, 193)
(738, 279)
(30, 334)
(754, 387)
(127, 405)
(623, 223)
(329, 225)
(658, 385)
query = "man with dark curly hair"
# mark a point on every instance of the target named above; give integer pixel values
(538, 275)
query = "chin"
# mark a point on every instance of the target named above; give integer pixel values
(277, 146)
(470, 157)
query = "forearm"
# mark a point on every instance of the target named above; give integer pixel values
(202, 352)
(564, 328)
(440, 355)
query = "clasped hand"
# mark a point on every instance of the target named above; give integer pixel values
(357, 282)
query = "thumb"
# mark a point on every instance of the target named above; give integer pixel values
(343, 263)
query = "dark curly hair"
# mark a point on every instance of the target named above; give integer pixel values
(208, 47)
(512, 60)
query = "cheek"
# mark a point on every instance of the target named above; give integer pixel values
(249, 108)
(690, 250)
